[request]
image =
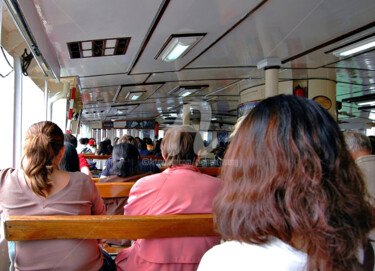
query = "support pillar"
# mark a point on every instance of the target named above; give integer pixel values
(186, 114)
(272, 81)
(271, 68)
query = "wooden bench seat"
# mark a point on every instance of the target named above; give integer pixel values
(24, 228)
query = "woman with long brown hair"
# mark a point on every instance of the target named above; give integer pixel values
(293, 198)
(41, 188)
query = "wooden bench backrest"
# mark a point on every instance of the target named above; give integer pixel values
(101, 157)
(94, 156)
(23, 228)
(212, 171)
(114, 190)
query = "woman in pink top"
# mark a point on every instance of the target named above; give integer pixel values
(41, 188)
(181, 189)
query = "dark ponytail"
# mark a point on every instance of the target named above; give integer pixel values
(43, 142)
(125, 160)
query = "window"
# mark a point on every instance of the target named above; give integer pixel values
(6, 111)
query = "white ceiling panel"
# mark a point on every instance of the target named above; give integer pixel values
(210, 16)
(111, 80)
(286, 28)
(70, 20)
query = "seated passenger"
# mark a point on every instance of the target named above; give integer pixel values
(70, 160)
(84, 148)
(103, 149)
(360, 148)
(144, 148)
(41, 188)
(180, 189)
(83, 163)
(293, 198)
(144, 165)
(125, 169)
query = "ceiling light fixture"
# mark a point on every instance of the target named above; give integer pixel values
(355, 47)
(184, 91)
(95, 48)
(134, 95)
(367, 103)
(360, 99)
(178, 46)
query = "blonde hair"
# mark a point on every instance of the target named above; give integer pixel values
(43, 143)
(181, 145)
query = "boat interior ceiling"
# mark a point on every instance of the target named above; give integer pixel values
(115, 52)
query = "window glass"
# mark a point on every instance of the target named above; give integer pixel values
(33, 109)
(6, 110)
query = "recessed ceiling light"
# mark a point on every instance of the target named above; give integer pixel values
(184, 91)
(177, 46)
(87, 53)
(109, 52)
(110, 43)
(96, 48)
(86, 45)
(134, 95)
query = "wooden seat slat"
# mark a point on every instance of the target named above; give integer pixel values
(22, 228)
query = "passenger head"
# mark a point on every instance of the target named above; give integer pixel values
(84, 140)
(358, 144)
(287, 174)
(125, 160)
(372, 139)
(128, 139)
(43, 150)
(70, 160)
(71, 139)
(103, 148)
(181, 145)
(92, 143)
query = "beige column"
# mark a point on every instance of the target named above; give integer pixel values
(186, 114)
(324, 93)
(272, 81)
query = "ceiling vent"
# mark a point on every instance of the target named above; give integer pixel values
(95, 48)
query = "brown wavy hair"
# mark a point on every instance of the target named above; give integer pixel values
(287, 174)
(43, 142)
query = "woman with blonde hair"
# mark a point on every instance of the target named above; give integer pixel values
(41, 188)
(293, 198)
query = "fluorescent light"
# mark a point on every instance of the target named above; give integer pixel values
(109, 52)
(186, 92)
(355, 47)
(110, 43)
(87, 53)
(87, 45)
(367, 103)
(177, 46)
(134, 95)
